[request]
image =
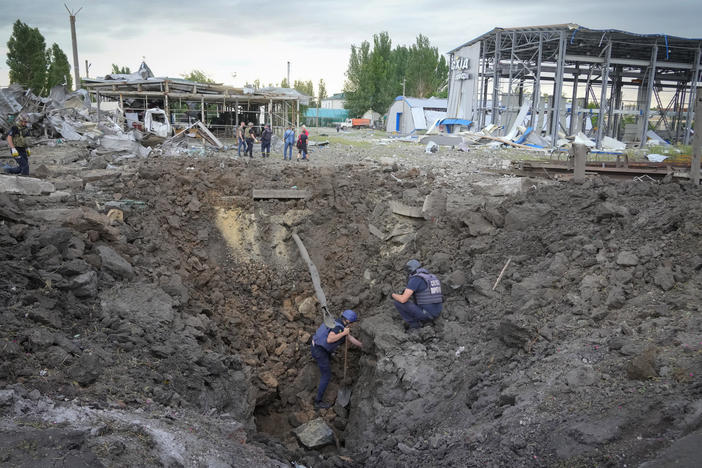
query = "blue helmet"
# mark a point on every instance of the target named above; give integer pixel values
(412, 266)
(350, 315)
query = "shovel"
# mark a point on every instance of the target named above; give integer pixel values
(343, 396)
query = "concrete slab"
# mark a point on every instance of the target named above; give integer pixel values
(25, 185)
(442, 140)
(52, 214)
(94, 175)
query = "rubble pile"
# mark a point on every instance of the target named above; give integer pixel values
(156, 305)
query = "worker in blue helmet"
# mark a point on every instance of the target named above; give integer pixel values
(421, 301)
(324, 343)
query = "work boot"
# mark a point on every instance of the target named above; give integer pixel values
(321, 405)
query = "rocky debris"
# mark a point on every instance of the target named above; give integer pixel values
(314, 434)
(217, 327)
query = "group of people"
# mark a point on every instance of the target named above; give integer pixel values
(246, 137)
(419, 304)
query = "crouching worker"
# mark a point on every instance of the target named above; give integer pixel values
(324, 342)
(425, 291)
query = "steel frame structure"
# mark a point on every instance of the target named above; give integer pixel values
(279, 109)
(600, 66)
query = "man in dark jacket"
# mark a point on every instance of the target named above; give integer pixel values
(425, 291)
(250, 134)
(266, 141)
(18, 148)
(324, 343)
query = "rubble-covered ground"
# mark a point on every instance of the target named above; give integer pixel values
(154, 314)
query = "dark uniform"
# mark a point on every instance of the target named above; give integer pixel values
(266, 142)
(428, 299)
(18, 135)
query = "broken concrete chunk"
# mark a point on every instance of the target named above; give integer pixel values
(314, 434)
(627, 258)
(642, 367)
(607, 210)
(664, 278)
(521, 217)
(456, 280)
(84, 285)
(500, 187)
(406, 210)
(435, 204)
(477, 225)
(115, 263)
(25, 185)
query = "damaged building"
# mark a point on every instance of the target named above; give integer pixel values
(182, 102)
(563, 79)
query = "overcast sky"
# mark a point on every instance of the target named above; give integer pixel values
(255, 39)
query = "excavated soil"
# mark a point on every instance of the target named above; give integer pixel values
(176, 331)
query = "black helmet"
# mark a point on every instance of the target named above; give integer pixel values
(412, 266)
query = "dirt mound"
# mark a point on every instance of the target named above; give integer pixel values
(194, 308)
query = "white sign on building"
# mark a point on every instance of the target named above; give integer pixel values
(463, 77)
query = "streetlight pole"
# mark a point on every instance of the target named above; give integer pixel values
(76, 68)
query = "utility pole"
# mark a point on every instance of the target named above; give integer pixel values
(289, 84)
(403, 86)
(87, 69)
(76, 69)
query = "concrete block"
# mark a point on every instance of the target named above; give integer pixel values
(25, 185)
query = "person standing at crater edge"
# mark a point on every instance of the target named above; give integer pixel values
(425, 290)
(324, 343)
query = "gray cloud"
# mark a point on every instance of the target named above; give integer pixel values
(311, 28)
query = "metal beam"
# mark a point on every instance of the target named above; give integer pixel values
(649, 92)
(557, 89)
(603, 96)
(695, 75)
(630, 62)
(537, 86)
(496, 78)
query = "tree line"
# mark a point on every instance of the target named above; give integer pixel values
(32, 64)
(375, 77)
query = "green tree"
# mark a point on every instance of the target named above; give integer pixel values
(198, 76)
(426, 69)
(357, 87)
(26, 57)
(321, 89)
(59, 71)
(116, 69)
(375, 77)
(284, 83)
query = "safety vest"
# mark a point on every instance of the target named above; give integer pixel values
(432, 293)
(320, 338)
